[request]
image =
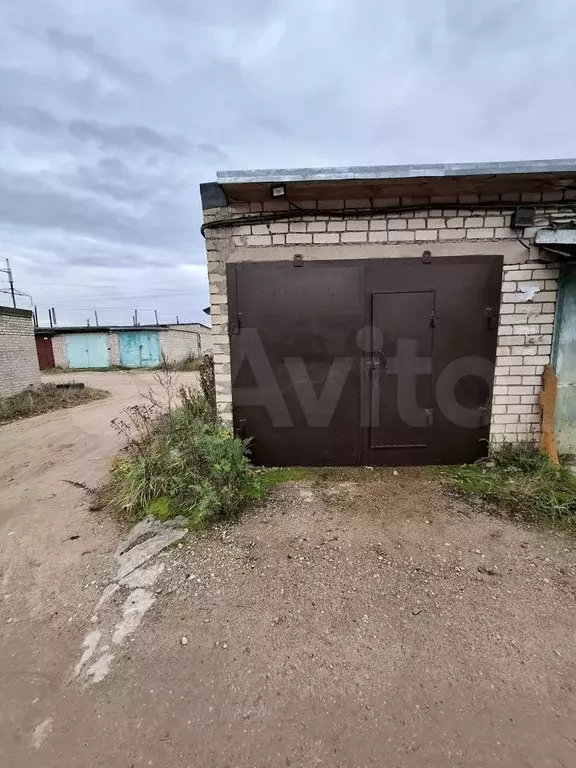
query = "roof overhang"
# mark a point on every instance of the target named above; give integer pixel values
(443, 180)
(559, 241)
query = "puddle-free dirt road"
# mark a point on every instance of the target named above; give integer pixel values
(346, 622)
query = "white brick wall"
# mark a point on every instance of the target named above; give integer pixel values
(60, 350)
(18, 359)
(182, 341)
(525, 329)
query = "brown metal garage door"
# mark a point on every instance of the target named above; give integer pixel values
(364, 362)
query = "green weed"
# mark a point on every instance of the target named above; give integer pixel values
(522, 481)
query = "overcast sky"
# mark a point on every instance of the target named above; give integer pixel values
(112, 112)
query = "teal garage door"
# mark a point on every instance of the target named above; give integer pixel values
(138, 349)
(87, 350)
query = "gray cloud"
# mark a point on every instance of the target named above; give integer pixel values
(110, 115)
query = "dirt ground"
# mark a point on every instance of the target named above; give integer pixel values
(367, 619)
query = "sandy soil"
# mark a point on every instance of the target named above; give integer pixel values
(349, 622)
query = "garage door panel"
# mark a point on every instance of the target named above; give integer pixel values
(296, 372)
(308, 389)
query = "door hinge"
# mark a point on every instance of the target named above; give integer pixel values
(433, 319)
(236, 323)
(429, 417)
(490, 315)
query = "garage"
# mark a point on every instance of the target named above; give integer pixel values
(385, 315)
(343, 363)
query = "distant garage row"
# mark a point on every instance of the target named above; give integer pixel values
(128, 347)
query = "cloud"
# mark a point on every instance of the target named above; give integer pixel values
(112, 113)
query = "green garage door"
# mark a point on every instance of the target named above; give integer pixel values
(139, 349)
(87, 350)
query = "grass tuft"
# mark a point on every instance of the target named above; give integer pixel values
(522, 481)
(45, 398)
(181, 459)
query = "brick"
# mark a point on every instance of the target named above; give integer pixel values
(354, 237)
(505, 399)
(426, 234)
(455, 223)
(298, 238)
(278, 239)
(436, 223)
(522, 274)
(354, 225)
(378, 224)
(336, 226)
(325, 238)
(526, 330)
(401, 237)
(316, 226)
(397, 224)
(519, 409)
(533, 381)
(416, 223)
(506, 418)
(494, 221)
(378, 237)
(452, 234)
(546, 296)
(507, 359)
(473, 222)
(479, 234)
(504, 233)
(297, 226)
(258, 240)
(521, 390)
(545, 273)
(507, 381)
(260, 229)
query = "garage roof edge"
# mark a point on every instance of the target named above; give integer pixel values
(383, 172)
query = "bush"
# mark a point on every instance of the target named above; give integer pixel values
(523, 481)
(182, 460)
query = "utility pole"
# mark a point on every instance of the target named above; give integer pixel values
(50, 318)
(54, 315)
(96, 316)
(11, 282)
(35, 315)
(135, 317)
(177, 320)
(8, 271)
(156, 315)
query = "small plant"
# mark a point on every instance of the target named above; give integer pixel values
(45, 398)
(522, 481)
(180, 459)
